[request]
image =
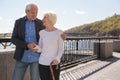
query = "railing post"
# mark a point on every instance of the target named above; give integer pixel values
(5, 45)
(99, 49)
(77, 45)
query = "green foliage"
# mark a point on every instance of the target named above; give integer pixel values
(109, 26)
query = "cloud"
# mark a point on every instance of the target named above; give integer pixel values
(80, 12)
(64, 12)
(1, 18)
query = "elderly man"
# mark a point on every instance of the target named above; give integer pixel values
(25, 35)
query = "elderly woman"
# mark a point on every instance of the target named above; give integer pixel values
(51, 44)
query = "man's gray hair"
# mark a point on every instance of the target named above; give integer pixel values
(29, 6)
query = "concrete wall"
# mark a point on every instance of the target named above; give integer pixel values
(7, 65)
(103, 49)
(116, 46)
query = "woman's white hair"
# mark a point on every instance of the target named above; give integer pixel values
(29, 6)
(51, 16)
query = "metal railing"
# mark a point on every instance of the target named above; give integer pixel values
(76, 49)
(79, 50)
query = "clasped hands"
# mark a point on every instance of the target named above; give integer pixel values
(33, 47)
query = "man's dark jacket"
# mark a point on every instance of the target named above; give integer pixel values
(18, 36)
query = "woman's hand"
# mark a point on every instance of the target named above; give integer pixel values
(55, 62)
(34, 48)
(37, 49)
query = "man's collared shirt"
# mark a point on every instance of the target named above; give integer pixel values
(30, 36)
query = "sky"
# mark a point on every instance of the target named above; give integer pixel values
(70, 13)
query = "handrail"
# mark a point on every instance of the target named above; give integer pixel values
(5, 41)
(101, 37)
(69, 38)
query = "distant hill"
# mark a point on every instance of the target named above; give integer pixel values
(109, 26)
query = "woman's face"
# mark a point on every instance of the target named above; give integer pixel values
(46, 20)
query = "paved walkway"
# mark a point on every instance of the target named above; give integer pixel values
(111, 72)
(95, 70)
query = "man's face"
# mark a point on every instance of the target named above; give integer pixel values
(32, 13)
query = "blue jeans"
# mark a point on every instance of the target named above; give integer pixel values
(21, 67)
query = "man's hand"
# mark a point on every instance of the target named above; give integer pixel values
(31, 46)
(63, 36)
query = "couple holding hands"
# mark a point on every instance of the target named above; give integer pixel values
(39, 44)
